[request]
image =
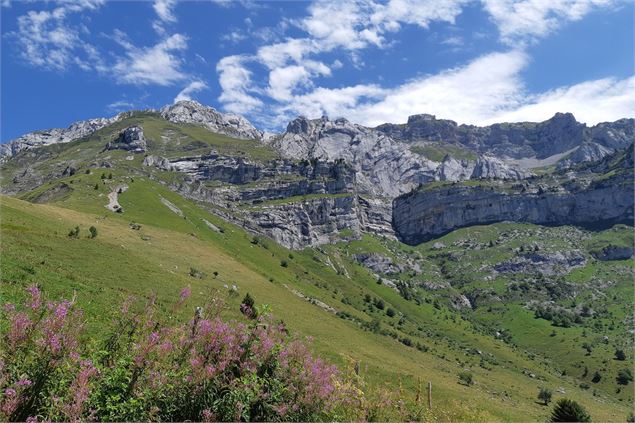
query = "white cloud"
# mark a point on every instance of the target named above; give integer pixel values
(485, 91)
(601, 100)
(236, 85)
(153, 65)
(471, 93)
(47, 40)
(165, 10)
(526, 20)
(119, 106)
(330, 24)
(191, 88)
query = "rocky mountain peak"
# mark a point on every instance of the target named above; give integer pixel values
(187, 111)
(413, 119)
(299, 125)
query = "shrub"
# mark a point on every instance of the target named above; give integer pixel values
(162, 370)
(466, 378)
(195, 273)
(96, 186)
(379, 303)
(567, 410)
(545, 395)
(620, 355)
(74, 233)
(390, 312)
(596, 377)
(93, 232)
(624, 376)
(110, 175)
(284, 263)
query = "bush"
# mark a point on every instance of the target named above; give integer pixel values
(284, 263)
(161, 370)
(466, 378)
(390, 312)
(379, 303)
(620, 355)
(596, 377)
(195, 273)
(74, 233)
(96, 186)
(93, 232)
(545, 395)
(567, 410)
(624, 376)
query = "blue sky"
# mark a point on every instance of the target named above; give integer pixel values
(370, 61)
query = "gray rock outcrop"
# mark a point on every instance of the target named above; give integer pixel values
(35, 139)
(130, 139)
(223, 123)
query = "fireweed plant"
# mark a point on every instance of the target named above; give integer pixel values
(156, 369)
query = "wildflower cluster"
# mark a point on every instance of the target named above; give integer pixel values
(150, 368)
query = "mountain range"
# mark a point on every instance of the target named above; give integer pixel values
(420, 250)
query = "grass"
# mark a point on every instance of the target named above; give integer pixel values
(119, 262)
(438, 151)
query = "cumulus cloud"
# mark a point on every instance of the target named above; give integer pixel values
(152, 65)
(236, 85)
(359, 24)
(600, 100)
(192, 87)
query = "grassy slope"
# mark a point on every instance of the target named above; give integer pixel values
(119, 262)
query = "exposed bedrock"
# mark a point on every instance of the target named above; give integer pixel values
(425, 214)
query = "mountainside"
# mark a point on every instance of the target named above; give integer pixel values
(421, 260)
(558, 135)
(588, 198)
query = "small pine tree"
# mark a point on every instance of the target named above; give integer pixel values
(110, 175)
(567, 410)
(93, 232)
(390, 312)
(103, 176)
(545, 395)
(596, 377)
(284, 263)
(96, 186)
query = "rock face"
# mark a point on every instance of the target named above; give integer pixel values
(379, 263)
(383, 167)
(223, 123)
(304, 223)
(557, 135)
(485, 167)
(54, 136)
(130, 139)
(594, 200)
(615, 252)
(548, 264)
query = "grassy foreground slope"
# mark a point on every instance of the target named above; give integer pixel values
(158, 258)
